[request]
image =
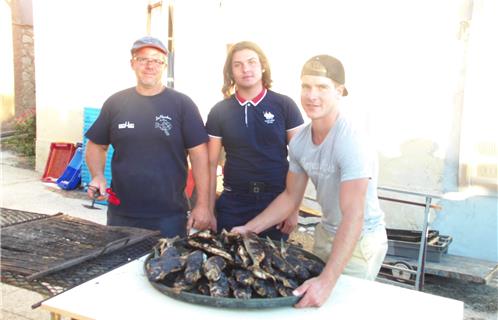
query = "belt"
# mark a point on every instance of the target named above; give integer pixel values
(254, 187)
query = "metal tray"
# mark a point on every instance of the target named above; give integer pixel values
(253, 303)
(409, 249)
(409, 235)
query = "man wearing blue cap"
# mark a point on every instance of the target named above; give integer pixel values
(152, 130)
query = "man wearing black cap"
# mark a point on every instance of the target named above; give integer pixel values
(335, 155)
(152, 130)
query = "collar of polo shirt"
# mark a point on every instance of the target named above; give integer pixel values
(254, 101)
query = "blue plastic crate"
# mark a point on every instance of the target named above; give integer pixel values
(71, 177)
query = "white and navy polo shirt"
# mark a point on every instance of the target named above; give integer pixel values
(254, 135)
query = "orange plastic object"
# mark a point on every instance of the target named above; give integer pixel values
(190, 184)
(60, 155)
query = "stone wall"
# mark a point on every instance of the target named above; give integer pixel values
(24, 56)
(24, 68)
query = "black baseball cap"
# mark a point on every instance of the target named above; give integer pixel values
(326, 66)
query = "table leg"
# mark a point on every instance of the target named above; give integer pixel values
(55, 316)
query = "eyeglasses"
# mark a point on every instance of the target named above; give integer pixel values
(144, 61)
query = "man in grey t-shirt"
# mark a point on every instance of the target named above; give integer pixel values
(351, 237)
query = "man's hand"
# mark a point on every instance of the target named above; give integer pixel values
(315, 290)
(289, 224)
(242, 230)
(201, 218)
(98, 183)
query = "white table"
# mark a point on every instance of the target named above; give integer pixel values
(125, 293)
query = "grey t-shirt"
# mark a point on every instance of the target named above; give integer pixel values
(344, 155)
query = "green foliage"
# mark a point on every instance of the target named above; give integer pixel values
(24, 139)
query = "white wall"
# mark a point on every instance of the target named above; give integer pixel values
(82, 53)
(199, 51)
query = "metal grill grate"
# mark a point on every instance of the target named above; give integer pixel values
(66, 279)
(38, 247)
(58, 282)
(9, 217)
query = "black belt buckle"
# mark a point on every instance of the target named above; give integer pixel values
(256, 187)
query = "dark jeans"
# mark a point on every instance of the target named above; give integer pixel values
(169, 226)
(236, 209)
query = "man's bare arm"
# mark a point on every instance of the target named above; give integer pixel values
(201, 217)
(352, 203)
(95, 157)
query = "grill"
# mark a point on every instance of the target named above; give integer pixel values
(9, 217)
(58, 281)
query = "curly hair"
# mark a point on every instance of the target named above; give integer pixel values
(228, 82)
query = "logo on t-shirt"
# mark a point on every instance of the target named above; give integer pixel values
(163, 123)
(269, 117)
(126, 125)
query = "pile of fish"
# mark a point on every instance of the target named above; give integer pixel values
(230, 265)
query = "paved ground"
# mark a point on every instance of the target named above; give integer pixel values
(22, 189)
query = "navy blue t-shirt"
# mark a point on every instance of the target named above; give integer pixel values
(150, 136)
(254, 138)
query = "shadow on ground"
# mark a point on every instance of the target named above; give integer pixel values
(481, 298)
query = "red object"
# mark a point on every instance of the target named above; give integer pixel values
(112, 198)
(59, 157)
(189, 188)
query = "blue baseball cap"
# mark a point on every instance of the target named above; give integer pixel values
(149, 42)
